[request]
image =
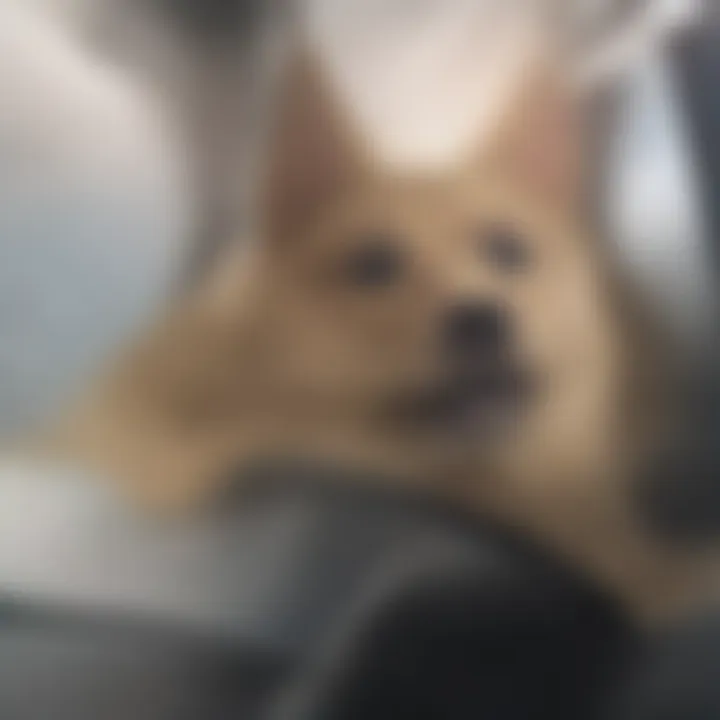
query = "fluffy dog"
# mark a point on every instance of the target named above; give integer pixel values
(461, 331)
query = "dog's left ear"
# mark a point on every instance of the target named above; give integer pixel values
(541, 139)
(315, 153)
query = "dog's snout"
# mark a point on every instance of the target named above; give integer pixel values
(476, 328)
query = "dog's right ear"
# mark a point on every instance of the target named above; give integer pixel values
(541, 143)
(315, 155)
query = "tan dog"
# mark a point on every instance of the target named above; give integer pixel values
(459, 331)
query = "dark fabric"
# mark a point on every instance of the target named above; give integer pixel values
(498, 642)
(65, 664)
(678, 677)
(389, 607)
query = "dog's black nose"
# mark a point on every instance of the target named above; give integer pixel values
(476, 328)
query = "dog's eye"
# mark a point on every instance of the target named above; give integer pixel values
(505, 248)
(377, 263)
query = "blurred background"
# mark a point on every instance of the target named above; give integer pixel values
(130, 131)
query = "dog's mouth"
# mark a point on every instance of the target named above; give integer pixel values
(483, 402)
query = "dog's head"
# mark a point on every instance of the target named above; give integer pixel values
(446, 307)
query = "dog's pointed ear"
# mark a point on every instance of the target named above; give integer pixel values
(314, 155)
(541, 140)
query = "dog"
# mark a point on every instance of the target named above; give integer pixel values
(462, 331)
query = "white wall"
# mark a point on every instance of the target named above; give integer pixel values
(91, 211)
